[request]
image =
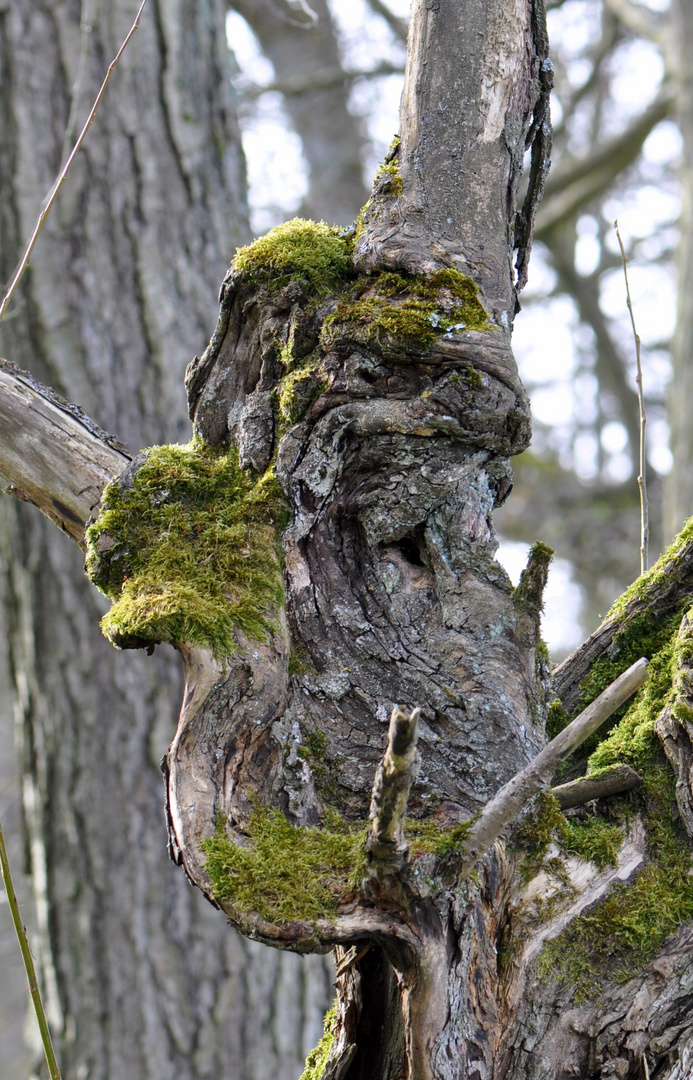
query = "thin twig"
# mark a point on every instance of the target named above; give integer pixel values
(66, 168)
(642, 458)
(20, 929)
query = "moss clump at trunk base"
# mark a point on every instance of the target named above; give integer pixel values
(189, 550)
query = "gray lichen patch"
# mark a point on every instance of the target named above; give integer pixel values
(188, 549)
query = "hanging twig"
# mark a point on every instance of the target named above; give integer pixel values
(66, 168)
(642, 459)
(20, 929)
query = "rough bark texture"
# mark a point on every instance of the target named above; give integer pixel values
(369, 375)
(143, 980)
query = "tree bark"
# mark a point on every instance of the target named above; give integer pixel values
(143, 982)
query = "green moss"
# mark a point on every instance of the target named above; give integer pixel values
(425, 837)
(541, 825)
(592, 839)
(190, 552)
(297, 250)
(390, 179)
(629, 927)
(631, 924)
(299, 389)
(286, 873)
(556, 720)
(392, 309)
(317, 1058)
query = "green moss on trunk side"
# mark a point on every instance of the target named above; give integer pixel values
(289, 873)
(286, 873)
(317, 1058)
(391, 308)
(190, 551)
(630, 926)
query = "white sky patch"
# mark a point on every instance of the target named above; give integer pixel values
(562, 598)
(246, 48)
(636, 73)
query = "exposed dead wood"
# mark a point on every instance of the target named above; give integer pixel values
(613, 782)
(51, 453)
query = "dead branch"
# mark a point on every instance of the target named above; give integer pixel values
(514, 796)
(393, 780)
(51, 453)
(614, 781)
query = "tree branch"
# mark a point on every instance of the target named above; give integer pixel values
(612, 782)
(513, 796)
(398, 26)
(393, 780)
(51, 453)
(576, 185)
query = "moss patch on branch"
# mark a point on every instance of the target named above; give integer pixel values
(630, 926)
(190, 550)
(283, 872)
(317, 1058)
(298, 250)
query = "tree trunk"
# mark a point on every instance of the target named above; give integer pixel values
(142, 981)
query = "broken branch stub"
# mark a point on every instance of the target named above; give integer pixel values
(614, 781)
(393, 780)
(51, 453)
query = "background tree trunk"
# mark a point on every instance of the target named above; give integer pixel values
(143, 980)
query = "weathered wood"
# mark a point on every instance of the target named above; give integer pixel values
(516, 794)
(393, 779)
(612, 782)
(51, 453)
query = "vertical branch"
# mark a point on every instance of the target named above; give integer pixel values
(642, 459)
(62, 175)
(393, 781)
(20, 930)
